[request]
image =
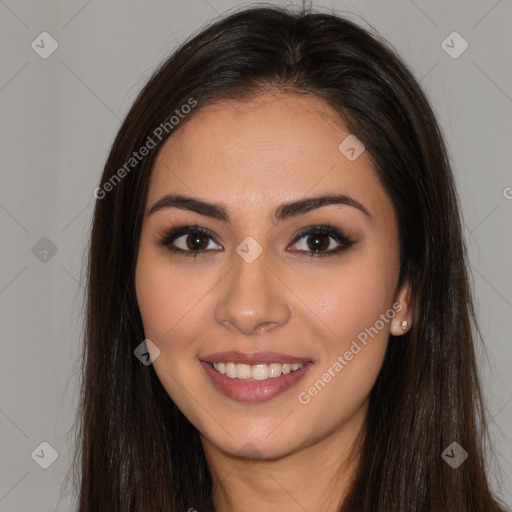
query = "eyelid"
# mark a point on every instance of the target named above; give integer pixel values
(325, 229)
(168, 235)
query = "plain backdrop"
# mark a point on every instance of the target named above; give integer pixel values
(59, 115)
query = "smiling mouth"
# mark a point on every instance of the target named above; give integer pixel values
(255, 382)
(260, 371)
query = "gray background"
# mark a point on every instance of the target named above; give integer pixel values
(59, 117)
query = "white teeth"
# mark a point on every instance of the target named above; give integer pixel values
(230, 370)
(260, 371)
(275, 369)
(243, 371)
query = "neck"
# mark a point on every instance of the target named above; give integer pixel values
(314, 478)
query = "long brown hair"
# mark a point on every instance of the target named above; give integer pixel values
(136, 451)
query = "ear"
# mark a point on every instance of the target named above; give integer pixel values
(403, 308)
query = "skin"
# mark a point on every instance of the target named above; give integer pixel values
(251, 157)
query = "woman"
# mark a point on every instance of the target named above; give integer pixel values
(278, 305)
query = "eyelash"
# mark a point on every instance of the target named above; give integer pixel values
(167, 236)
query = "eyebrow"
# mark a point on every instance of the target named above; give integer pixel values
(282, 212)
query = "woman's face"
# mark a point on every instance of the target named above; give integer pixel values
(268, 275)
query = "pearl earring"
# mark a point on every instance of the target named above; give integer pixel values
(404, 325)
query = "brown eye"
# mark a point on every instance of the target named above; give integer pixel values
(189, 240)
(321, 240)
(196, 242)
(318, 242)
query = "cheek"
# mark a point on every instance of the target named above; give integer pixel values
(349, 299)
(169, 301)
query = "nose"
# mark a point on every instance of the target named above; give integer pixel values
(252, 298)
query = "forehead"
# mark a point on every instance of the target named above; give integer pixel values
(275, 147)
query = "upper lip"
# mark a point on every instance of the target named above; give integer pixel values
(254, 358)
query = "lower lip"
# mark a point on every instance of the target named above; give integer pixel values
(254, 390)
